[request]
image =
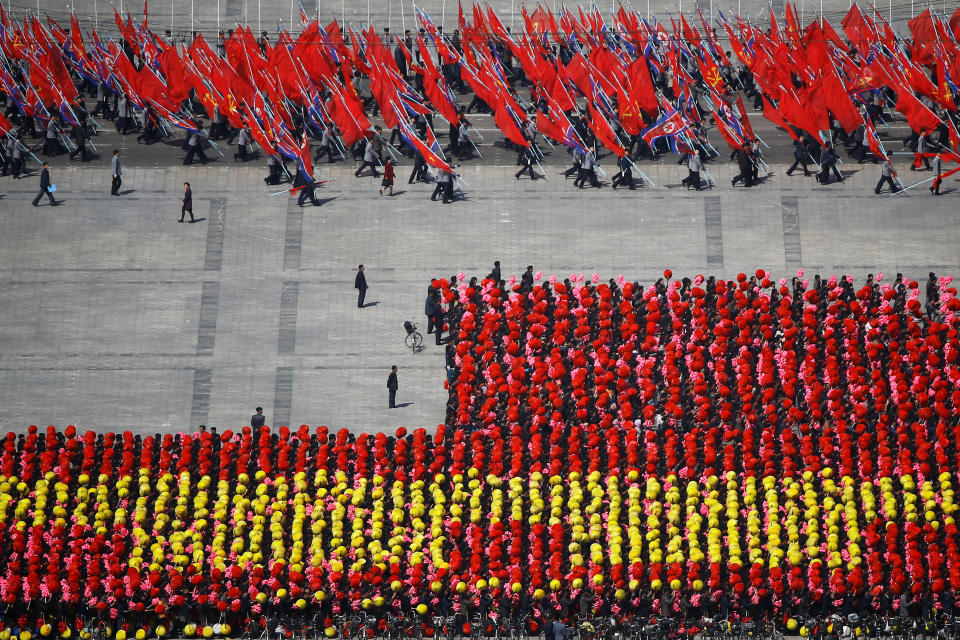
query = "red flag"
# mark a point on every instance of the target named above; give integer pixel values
(257, 132)
(732, 138)
(76, 38)
(954, 138)
(578, 70)
(873, 140)
(5, 125)
(744, 118)
(859, 29)
(924, 37)
(918, 116)
(641, 86)
(839, 103)
(506, 121)
(428, 154)
(604, 132)
(770, 113)
(305, 162)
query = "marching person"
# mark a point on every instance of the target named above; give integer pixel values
(800, 155)
(577, 162)
(444, 187)
(151, 127)
(80, 139)
(694, 167)
(828, 163)
(46, 187)
(123, 115)
(625, 176)
(744, 163)
(888, 175)
(938, 173)
(525, 158)
(919, 158)
(187, 202)
(419, 173)
(51, 145)
(195, 145)
(273, 165)
(326, 145)
(586, 171)
(370, 159)
(116, 171)
(243, 140)
(306, 184)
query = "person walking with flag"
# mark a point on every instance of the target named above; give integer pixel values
(370, 159)
(887, 174)
(938, 174)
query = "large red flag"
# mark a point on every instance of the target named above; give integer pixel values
(770, 113)
(918, 116)
(924, 37)
(604, 132)
(839, 103)
(507, 122)
(641, 85)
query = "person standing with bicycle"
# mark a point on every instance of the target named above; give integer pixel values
(392, 387)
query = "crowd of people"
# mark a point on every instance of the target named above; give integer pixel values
(638, 92)
(743, 449)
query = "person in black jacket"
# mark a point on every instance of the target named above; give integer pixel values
(745, 162)
(392, 386)
(800, 154)
(187, 202)
(437, 316)
(45, 187)
(360, 284)
(429, 309)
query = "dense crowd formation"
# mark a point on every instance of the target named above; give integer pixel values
(740, 449)
(623, 84)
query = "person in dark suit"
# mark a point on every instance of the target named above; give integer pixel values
(45, 186)
(437, 316)
(419, 169)
(360, 284)
(392, 386)
(429, 309)
(526, 280)
(187, 202)
(257, 419)
(195, 146)
(801, 154)
(306, 185)
(495, 273)
(116, 171)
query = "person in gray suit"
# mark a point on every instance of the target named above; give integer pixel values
(116, 171)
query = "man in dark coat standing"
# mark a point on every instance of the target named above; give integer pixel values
(187, 202)
(257, 419)
(45, 187)
(392, 386)
(361, 285)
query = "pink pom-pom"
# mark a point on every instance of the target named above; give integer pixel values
(799, 273)
(596, 278)
(538, 275)
(880, 276)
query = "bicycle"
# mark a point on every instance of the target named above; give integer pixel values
(414, 339)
